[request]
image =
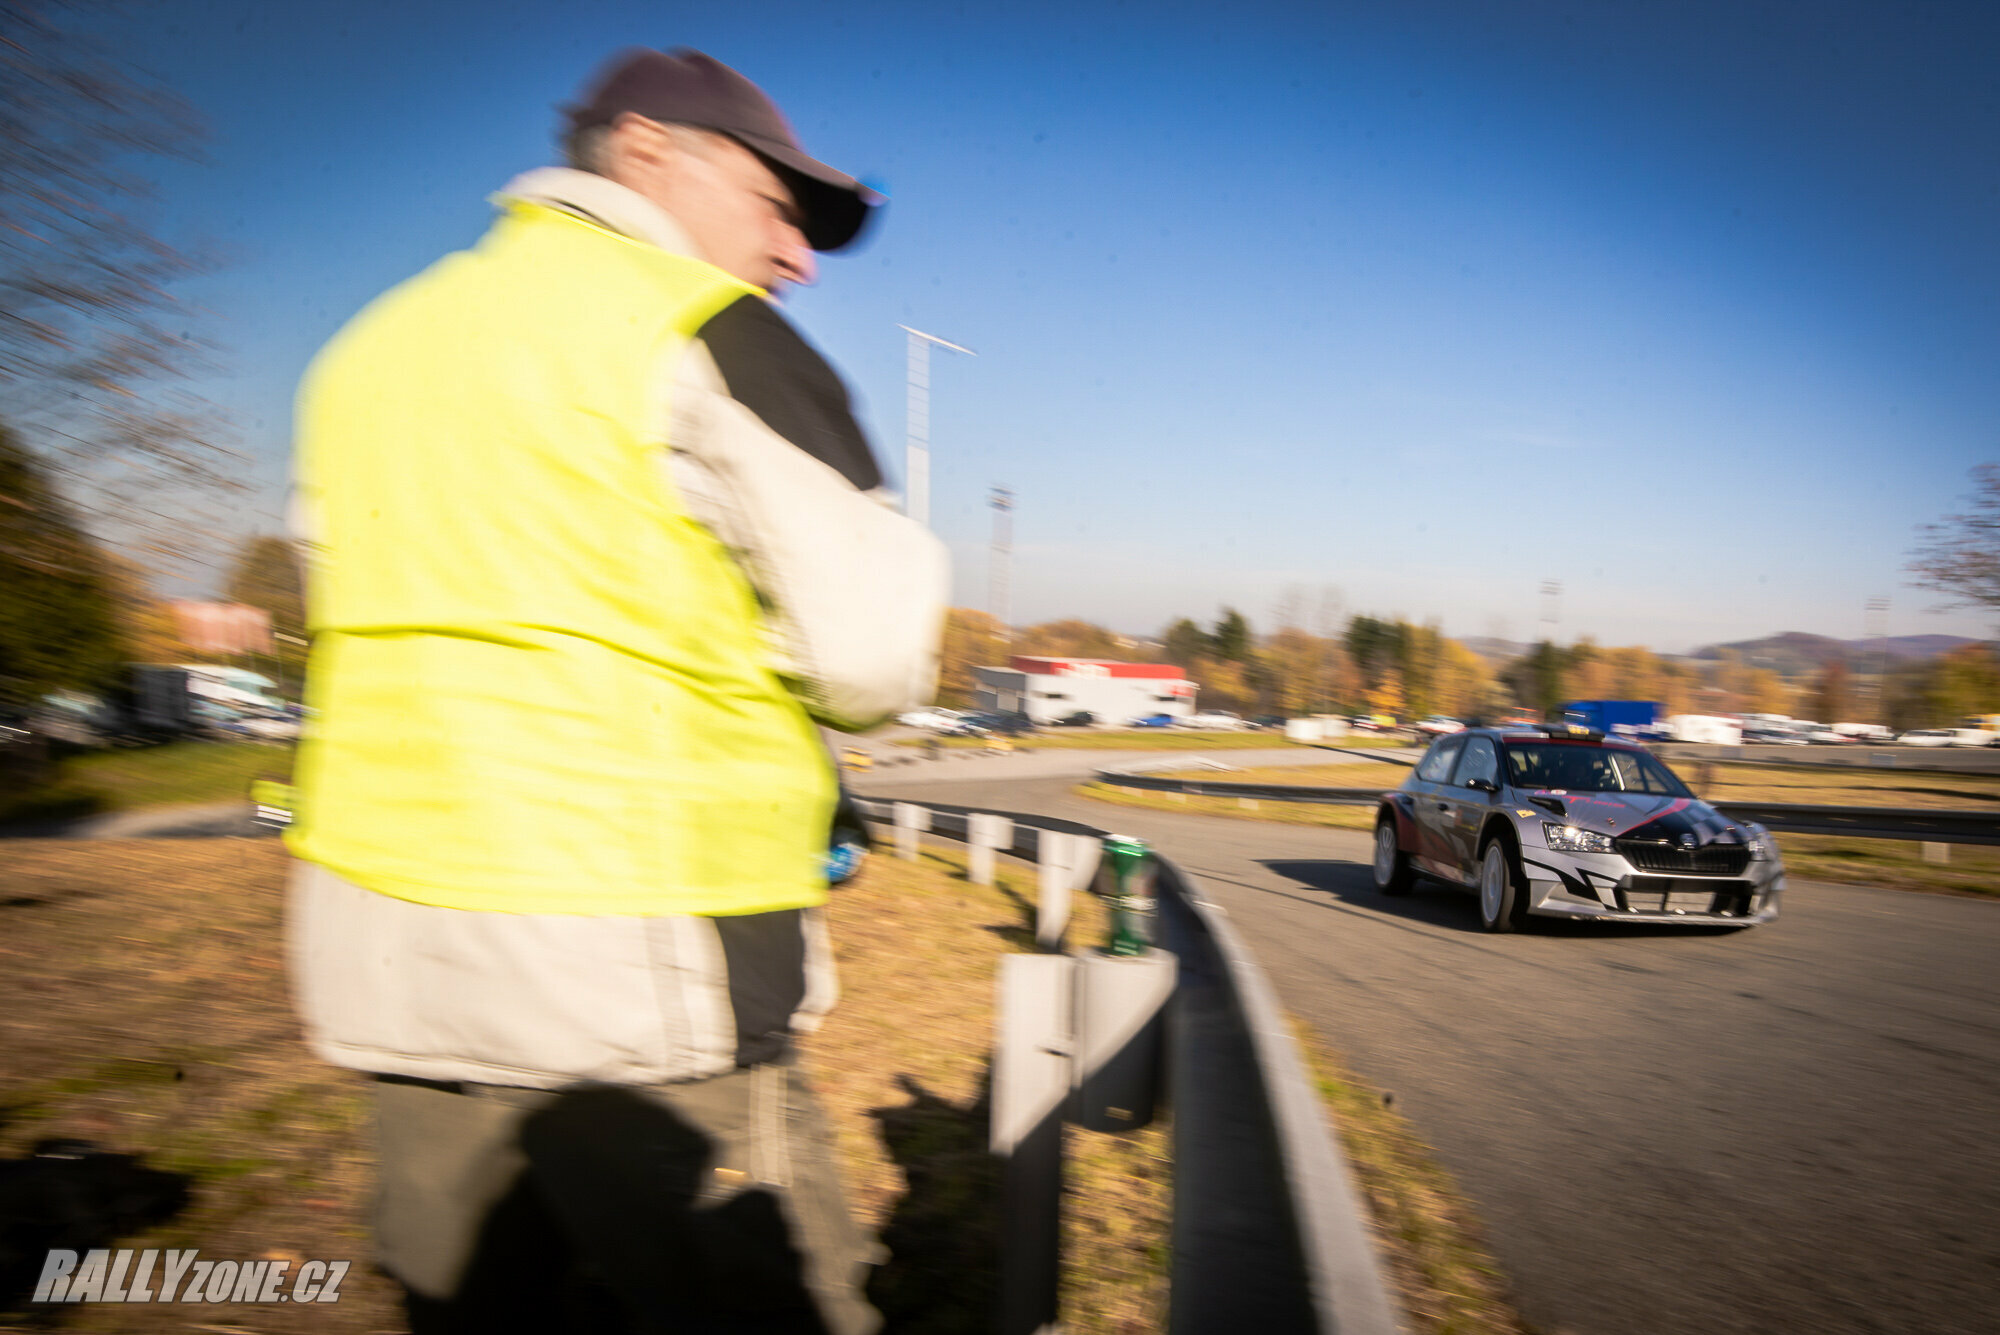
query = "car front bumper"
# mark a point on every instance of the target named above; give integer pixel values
(1605, 886)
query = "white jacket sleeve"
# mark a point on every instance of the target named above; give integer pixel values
(854, 593)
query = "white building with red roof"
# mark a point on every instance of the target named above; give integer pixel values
(1047, 689)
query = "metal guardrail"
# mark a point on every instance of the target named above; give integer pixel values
(1916, 824)
(1960, 761)
(1268, 1231)
(1922, 824)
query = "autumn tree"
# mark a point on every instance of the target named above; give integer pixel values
(972, 639)
(1964, 681)
(1590, 673)
(145, 622)
(1833, 693)
(1464, 686)
(58, 621)
(1539, 679)
(1768, 693)
(1376, 648)
(1183, 642)
(1230, 640)
(1067, 639)
(266, 575)
(1296, 664)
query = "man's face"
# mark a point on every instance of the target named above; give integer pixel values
(740, 216)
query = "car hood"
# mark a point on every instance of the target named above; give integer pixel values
(1673, 820)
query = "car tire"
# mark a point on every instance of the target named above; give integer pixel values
(1392, 865)
(1502, 903)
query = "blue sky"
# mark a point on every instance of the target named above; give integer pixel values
(1694, 308)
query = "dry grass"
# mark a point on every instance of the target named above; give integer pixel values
(1445, 1280)
(1840, 786)
(1344, 816)
(1344, 774)
(143, 1006)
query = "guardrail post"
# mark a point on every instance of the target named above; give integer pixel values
(1067, 862)
(987, 833)
(1031, 1080)
(911, 819)
(1119, 1005)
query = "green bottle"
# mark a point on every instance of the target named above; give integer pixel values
(1132, 871)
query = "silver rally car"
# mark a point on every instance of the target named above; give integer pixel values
(1556, 822)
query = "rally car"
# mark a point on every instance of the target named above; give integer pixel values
(1554, 821)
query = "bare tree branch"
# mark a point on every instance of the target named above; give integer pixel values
(92, 336)
(1960, 556)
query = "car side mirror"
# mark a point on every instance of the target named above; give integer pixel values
(1482, 785)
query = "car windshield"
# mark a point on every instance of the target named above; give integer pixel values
(1589, 769)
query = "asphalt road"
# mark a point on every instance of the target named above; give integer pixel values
(1791, 1128)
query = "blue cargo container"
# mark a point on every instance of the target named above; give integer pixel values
(1622, 717)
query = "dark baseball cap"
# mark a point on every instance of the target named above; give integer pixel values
(685, 87)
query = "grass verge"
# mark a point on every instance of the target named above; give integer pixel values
(1338, 817)
(143, 1006)
(122, 780)
(1446, 1280)
(1337, 774)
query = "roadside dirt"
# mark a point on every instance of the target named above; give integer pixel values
(143, 1007)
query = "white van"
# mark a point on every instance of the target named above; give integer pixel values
(1711, 729)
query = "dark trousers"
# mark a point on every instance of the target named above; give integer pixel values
(709, 1206)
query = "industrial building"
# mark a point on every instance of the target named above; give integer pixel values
(1046, 689)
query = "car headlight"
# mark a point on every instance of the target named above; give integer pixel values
(1569, 839)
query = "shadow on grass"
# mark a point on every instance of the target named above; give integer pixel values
(68, 1194)
(942, 1274)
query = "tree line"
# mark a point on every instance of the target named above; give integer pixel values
(74, 612)
(1386, 665)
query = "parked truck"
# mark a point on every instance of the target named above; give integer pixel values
(1711, 729)
(1622, 718)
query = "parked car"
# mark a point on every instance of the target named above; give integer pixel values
(1927, 737)
(1215, 720)
(1268, 720)
(1082, 718)
(1560, 822)
(1152, 721)
(986, 723)
(1770, 734)
(1819, 734)
(1864, 732)
(934, 718)
(1373, 722)
(1437, 725)
(268, 727)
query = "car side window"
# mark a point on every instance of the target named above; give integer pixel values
(1481, 762)
(1436, 766)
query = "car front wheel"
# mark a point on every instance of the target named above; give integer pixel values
(1500, 899)
(1392, 864)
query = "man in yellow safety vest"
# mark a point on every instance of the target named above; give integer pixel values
(595, 543)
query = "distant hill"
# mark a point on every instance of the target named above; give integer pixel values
(1795, 653)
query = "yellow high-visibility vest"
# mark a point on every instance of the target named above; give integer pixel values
(538, 686)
